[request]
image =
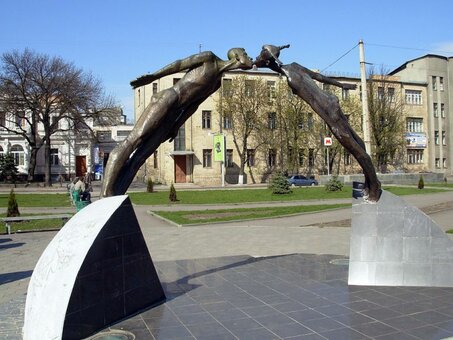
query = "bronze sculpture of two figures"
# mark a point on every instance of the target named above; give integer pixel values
(170, 108)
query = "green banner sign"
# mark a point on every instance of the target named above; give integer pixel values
(219, 148)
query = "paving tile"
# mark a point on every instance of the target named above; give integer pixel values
(404, 322)
(176, 332)
(322, 325)
(306, 314)
(344, 334)
(429, 332)
(381, 313)
(256, 334)
(290, 330)
(241, 325)
(431, 317)
(373, 329)
(352, 319)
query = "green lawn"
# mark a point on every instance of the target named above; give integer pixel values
(37, 200)
(222, 215)
(51, 223)
(257, 195)
(209, 196)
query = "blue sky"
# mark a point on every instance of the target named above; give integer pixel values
(120, 40)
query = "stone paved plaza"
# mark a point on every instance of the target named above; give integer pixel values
(270, 279)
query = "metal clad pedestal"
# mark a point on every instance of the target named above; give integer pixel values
(395, 244)
(96, 271)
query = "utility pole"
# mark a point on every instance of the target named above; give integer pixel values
(365, 113)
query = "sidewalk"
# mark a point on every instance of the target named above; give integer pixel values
(244, 245)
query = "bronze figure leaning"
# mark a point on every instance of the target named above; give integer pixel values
(326, 105)
(167, 111)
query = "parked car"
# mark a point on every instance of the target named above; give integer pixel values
(299, 180)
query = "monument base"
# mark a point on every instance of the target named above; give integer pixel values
(396, 244)
(96, 271)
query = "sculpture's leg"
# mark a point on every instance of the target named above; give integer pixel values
(349, 139)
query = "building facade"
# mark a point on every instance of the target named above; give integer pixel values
(437, 73)
(72, 153)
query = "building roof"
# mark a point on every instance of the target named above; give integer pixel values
(402, 67)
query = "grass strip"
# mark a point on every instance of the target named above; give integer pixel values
(37, 200)
(34, 225)
(259, 195)
(224, 215)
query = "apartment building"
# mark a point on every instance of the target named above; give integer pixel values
(436, 72)
(190, 157)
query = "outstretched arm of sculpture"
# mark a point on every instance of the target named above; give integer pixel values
(176, 66)
(326, 80)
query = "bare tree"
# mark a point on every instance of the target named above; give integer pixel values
(38, 92)
(243, 103)
(296, 132)
(387, 120)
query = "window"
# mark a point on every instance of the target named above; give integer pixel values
(345, 94)
(380, 92)
(271, 158)
(19, 155)
(270, 90)
(436, 137)
(229, 158)
(347, 158)
(154, 88)
(444, 138)
(437, 163)
(435, 110)
(442, 110)
(227, 86)
(311, 157)
(180, 139)
(444, 163)
(1, 152)
(301, 157)
(249, 87)
(391, 94)
(414, 156)
(227, 123)
(175, 80)
(434, 81)
(104, 135)
(207, 158)
(441, 83)
(310, 121)
(413, 97)
(300, 121)
(122, 134)
(155, 160)
(206, 119)
(20, 119)
(54, 157)
(55, 122)
(139, 95)
(272, 120)
(2, 118)
(250, 157)
(414, 124)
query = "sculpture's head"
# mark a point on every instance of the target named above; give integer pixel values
(269, 56)
(239, 59)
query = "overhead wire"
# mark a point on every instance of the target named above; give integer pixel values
(341, 57)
